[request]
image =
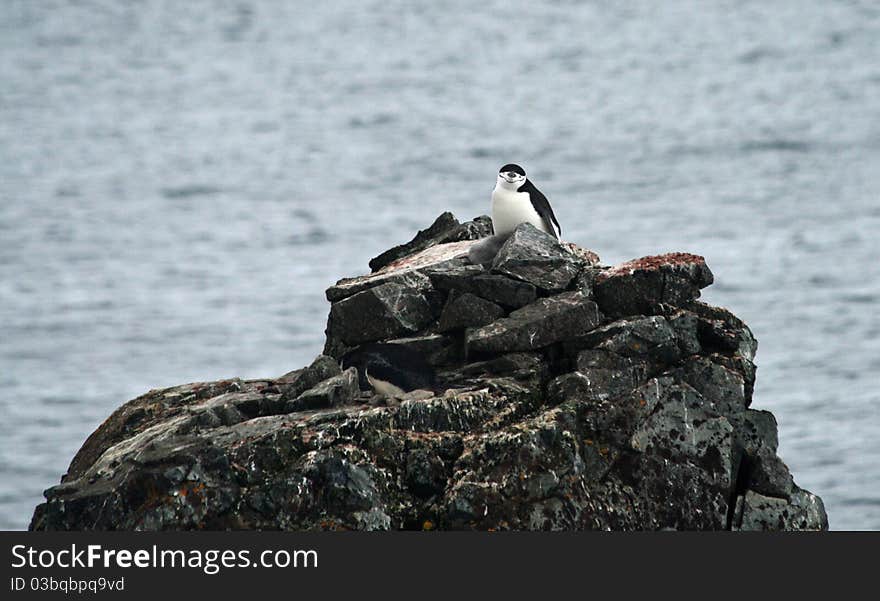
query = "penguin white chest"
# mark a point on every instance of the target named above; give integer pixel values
(510, 208)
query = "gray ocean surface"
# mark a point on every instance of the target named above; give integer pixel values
(180, 181)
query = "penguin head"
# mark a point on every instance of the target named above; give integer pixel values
(511, 176)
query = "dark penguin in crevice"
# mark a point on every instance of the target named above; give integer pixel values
(390, 370)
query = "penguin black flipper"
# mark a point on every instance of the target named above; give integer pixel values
(542, 207)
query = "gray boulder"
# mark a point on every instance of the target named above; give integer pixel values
(498, 289)
(295, 383)
(638, 286)
(342, 389)
(467, 310)
(387, 310)
(803, 511)
(538, 258)
(547, 320)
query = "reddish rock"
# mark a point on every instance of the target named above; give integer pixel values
(637, 287)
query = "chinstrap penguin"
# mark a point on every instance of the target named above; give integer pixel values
(516, 200)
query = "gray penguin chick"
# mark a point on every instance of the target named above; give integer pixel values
(484, 251)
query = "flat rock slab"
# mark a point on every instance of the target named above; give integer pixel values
(769, 475)
(503, 290)
(409, 278)
(535, 257)
(650, 338)
(803, 511)
(445, 228)
(499, 289)
(637, 286)
(427, 346)
(467, 310)
(722, 387)
(389, 310)
(322, 368)
(719, 328)
(454, 274)
(405, 272)
(600, 375)
(542, 323)
(333, 392)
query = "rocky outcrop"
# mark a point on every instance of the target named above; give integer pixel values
(567, 395)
